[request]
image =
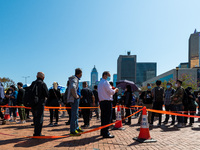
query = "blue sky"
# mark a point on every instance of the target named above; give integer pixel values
(57, 36)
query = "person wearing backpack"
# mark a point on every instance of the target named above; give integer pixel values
(147, 100)
(38, 93)
(177, 100)
(54, 101)
(167, 102)
(87, 98)
(189, 107)
(158, 95)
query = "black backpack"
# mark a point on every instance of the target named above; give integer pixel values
(159, 94)
(33, 95)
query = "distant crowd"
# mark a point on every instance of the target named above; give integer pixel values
(105, 95)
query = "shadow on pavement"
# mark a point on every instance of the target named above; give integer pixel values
(196, 129)
(32, 142)
(9, 141)
(64, 129)
(79, 142)
(135, 143)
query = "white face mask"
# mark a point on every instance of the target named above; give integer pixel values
(176, 85)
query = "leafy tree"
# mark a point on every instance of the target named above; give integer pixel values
(187, 80)
(6, 82)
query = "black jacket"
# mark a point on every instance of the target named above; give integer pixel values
(127, 99)
(54, 98)
(20, 96)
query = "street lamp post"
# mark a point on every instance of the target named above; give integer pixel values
(26, 78)
(177, 68)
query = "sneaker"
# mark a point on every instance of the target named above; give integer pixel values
(158, 125)
(79, 130)
(56, 124)
(24, 121)
(165, 122)
(179, 125)
(20, 122)
(50, 125)
(172, 123)
(76, 133)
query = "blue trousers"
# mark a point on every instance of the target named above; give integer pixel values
(74, 115)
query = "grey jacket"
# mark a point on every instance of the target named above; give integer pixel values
(71, 91)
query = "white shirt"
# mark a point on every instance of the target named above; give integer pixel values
(105, 91)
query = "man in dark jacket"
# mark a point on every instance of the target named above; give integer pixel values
(20, 102)
(87, 98)
(95, 92)
(1, 102)
(38, 109)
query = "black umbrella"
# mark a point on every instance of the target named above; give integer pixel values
(123, 83)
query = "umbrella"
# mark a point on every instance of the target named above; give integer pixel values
(123, 83)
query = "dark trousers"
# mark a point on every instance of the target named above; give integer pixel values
(106, 116)
(157, 106)
(128, 113)
(27, 112)
(69, 111)
(51, 115)
(189, 111)
(86, 116)
(1, 114)
(38, 114)
(169, 108)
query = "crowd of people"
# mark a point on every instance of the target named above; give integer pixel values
(105, 95)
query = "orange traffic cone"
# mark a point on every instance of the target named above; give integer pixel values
(7, 114)
(17, 113)
(144, 136)
(118, 125)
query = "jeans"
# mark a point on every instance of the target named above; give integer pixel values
(128, 113)
(13, 111)
(74, 115)
(179, 107)
(51, 115)
(22, 113)
(106, 116)
(38, 115)
(169, 108)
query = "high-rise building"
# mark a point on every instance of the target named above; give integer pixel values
(194, 49)
(126, 67)
(94, 77)
(145, 71)
(114, 79)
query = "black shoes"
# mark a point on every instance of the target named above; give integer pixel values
(67, 123)
(108, 136)
(85, 126)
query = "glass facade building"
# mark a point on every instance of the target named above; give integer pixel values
(145, 71)
(94, 77)
(126, 67)
(114, 79)
(194, 49)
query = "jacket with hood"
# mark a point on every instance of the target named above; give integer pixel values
(71, 91)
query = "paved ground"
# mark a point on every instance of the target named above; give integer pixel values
(167, 137)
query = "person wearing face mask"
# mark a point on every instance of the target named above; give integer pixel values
(105, 93)
(147, 100)
(167, 102)
(177, 101)
(189, 107)
(54, 101)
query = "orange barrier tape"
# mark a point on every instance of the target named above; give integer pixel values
(92, 130)
(171, 113)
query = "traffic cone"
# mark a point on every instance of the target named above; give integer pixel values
(118, 125)
(17, 113)
(144, 136)
(122, 113)
(7, 114)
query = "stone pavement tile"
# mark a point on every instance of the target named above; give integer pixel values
(168, 137)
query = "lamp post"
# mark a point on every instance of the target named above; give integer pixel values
(26, 78)
(177, 68)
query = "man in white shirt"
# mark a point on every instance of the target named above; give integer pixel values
(105, 93)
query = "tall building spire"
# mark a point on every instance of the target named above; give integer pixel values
(195, 31)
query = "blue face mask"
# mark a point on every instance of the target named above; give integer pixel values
(168, 86)
(149, 87)
(108, 79)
